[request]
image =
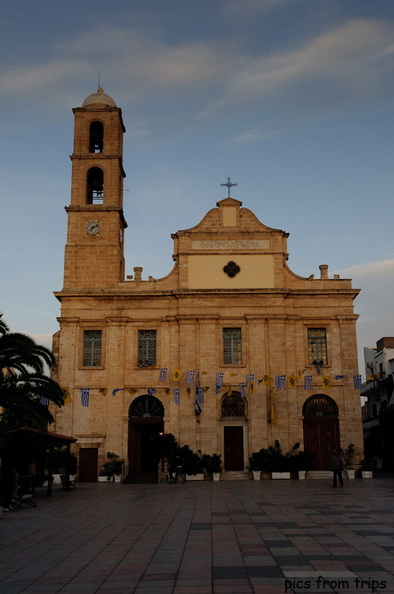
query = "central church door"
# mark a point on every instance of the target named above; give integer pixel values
(233, 448)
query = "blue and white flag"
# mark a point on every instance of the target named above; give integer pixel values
(190, 376)
(219, 381)
(116, 390)
(163, 374)
(44, 401)
(357, 381)
(151, 391)
(85, 397)
(249, 378)
(242, 390)
(338, 377)
(175, 392)
(308, 384)
(280, 382)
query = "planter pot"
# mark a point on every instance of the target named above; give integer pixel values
(118, 478)
(367, 474)
(301, 475)
(104, 479)
(351, 473)
(195, 477)
(256, 475)
(216, 476)
(280, 475)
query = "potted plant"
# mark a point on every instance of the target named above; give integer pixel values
(112, 469)
(299, 461)
(260, 464)
(348, 456)
(213, 465)
(366, 469)
(281, 464)
(192, 463)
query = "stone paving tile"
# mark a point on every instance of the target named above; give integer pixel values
(233, 537)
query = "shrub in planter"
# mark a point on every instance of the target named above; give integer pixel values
(113, 466)
(212, 463)
(192, 462)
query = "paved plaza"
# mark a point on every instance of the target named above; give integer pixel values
(203, 537)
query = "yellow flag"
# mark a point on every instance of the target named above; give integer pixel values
(251, 387)
(271, 412)
(176, 376)
(265, 380)
(229, 391)
(326, 381)
(67, 395)
(103, 391)
(291, 381)
(131, 391)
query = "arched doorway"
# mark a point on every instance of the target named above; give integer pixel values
(233, 418)
(145, 426)
(321, 430)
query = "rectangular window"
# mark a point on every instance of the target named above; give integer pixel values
(232, 346)
(147, 342)
(91, 348)
(317, 346)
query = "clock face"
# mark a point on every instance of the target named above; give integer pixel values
(92, 227)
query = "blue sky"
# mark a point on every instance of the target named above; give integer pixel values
(291, 98)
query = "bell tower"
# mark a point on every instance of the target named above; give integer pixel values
(94, 255)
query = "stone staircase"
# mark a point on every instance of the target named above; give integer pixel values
(235, 475)
(319, 474)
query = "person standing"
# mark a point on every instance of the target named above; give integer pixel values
(179, 470)
(337, 464)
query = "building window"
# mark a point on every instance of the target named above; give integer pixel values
(147, 341)
(92, 348)
(233, 405)
(96, 137)
(317, 346)
(232, 346)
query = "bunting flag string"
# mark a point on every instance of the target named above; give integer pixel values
(85, 397)
(219, 381)
(280, 382)
(249, 379)
(163, 374)
(308, 382)
(242, 390)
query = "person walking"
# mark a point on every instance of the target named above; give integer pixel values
(337, 464)
(179, 470)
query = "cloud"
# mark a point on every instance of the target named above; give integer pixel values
(251, 137)
(352, 57)
(370, 270)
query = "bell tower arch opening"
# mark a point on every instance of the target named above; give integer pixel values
(96, 137)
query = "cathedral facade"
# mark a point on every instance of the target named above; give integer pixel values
(228, 352)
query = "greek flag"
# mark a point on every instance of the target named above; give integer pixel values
(85, 397)
(242, 390)
(116, 390)
(308, 382)
(280, 382)
(175, 392)
(163, 374)
(190, 377)
(219, 382)
(338, 377)
(151, 391)
(44, 401)
(357, 381)
(249, 378)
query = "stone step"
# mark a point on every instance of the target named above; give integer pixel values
(235, 475)
(319, 474)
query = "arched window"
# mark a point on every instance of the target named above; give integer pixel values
(95, 186)
(96, 137)
(319, 406)
(146, 406)
(233, 405)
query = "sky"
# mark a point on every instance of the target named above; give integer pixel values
(292, 99)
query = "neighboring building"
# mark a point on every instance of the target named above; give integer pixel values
(378, 410)
(273, 353)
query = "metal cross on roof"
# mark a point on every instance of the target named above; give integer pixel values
(229, 185)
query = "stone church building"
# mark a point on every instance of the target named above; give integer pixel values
(228, 352)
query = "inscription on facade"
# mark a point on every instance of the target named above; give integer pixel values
(232, 244)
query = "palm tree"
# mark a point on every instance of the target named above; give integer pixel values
(24, 386)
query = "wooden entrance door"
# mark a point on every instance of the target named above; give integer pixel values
(321, 430)
(233, 448)
(88, 462)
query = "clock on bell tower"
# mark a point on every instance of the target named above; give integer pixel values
(94, 254)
